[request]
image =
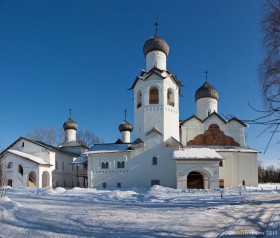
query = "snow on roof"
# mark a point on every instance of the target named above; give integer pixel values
(196, 153)
(33, 158)
(108, 148)
(80, 160)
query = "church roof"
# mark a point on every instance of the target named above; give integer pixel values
(211, 115)
(80, 160)
(206, 91)
(29, 157)
(109, 148)
(155, 71)
(220, 148)
(156, 43)
(66, 144)
(197, 153)
(44, 145)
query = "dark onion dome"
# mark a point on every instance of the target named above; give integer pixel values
(206, 91)
(70, 124)
(156, 43)
(125, 126)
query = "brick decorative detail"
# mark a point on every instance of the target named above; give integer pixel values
(213, 136)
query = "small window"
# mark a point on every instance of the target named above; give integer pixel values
(10, 165)
(56, 165)
(154, 96)
(221, 164)
(10, 182)
(139, 99)
(22, 145)
(104, 185)
(119, 185)
(155, 182)
(243, 182)
(20, 169)
(155, 161)
(120, 165)
(104, 165)
(170, 97)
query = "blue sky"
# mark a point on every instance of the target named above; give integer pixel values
(84, 55)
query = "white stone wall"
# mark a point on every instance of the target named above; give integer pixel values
(163, 117)
(64, 173)
(125, 136)
(206, 106)
(155, 59)
(138, 171)
(209, 169)
(70, 135)
(21, 180)
(238, 167)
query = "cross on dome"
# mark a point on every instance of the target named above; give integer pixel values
(156, 27)
(206, 75)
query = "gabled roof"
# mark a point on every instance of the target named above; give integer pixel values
(171, 141)
(211, 115)
(237, 120)
(44, 145)
(157, 72)
(71, 144)
(191, 117)
(153, 130)
(27, 156)
(217, 115)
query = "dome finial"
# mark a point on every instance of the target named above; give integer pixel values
(125, 114)
(156, 27)
(206, 75)
(70, 112)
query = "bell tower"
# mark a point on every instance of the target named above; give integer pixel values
(156, 94)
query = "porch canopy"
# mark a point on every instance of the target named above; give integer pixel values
(197, 153)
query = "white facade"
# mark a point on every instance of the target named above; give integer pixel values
(30, 163)
(158, 134)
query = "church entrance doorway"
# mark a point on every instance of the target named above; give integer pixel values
(195, 180)
(45, 179)
(32, 179)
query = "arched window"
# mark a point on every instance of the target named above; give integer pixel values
(170, 97)
(154, 98)
(139, 99)
(10, 165)
(20, 169)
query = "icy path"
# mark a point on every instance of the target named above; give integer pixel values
(159, 212)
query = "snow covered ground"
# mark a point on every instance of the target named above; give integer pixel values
(138, 212)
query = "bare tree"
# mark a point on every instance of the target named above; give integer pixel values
(88, 138)
(54, 137)
(269, 73)
(2, 180)
(49, 136)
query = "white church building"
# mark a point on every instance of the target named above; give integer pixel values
(32, 163)
(203, 151)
